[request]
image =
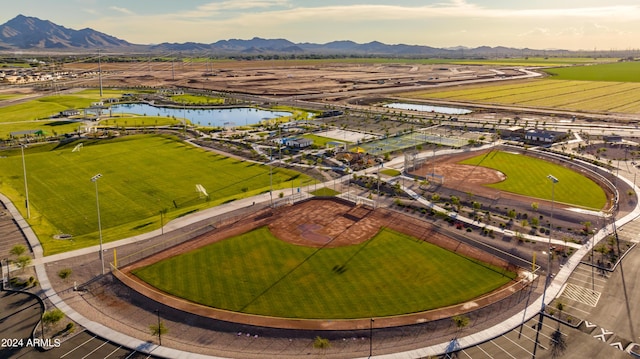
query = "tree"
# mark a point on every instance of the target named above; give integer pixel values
(52, 316)
(534, 206)
(23, 261)
(461, 322)
(158, 329)
(18, 250)
(321, 343)
(558, 343)
(64, 273)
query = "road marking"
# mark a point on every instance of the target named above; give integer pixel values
(617, 345)
(132, 353)
(114, 350)
(589, 324)
(502, 349)
(603, 335)
(517, 344)
(94, 350)
(74, 349)
(582, 294)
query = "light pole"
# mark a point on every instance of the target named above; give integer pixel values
(553, 184)
(26, 188)
(371, 337)
(553, 180)
(593, 243)
(159, 328)
(94, 179)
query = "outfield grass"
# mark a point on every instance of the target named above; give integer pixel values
(142, 175)
(390, 274)
(528, 176)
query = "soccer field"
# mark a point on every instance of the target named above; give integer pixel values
(390, 274)
(141, 176)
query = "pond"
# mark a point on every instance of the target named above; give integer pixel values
(204, 117)
(429, 108)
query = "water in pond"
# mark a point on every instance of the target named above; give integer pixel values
(205, 117)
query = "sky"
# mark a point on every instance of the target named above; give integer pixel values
(541, 24)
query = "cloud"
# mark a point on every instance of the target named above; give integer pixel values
(121, 10)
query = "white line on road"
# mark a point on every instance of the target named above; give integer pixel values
(74, 349)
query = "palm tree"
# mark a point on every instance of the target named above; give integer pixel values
(558, 343)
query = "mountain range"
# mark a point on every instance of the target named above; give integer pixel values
(33, 34)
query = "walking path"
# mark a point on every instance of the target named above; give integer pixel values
(551, 292)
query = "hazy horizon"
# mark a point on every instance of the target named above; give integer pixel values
(571, 25)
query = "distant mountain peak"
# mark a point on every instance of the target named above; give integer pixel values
(25, 32)
(30, 33)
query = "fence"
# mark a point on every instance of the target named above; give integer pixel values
(132, 253)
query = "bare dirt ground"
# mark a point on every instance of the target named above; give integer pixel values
(464, 178)
(282, 78)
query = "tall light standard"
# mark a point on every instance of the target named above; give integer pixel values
(593, 243)
(95, 179)
(553, 184)
(159, 328)
(26, 188)
(553, 180)
(371, 337)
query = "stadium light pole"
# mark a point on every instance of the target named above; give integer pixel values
(95, 179)
(553, 180)
(371, 337)
(26, 188)
(159, 330)
(593, 243)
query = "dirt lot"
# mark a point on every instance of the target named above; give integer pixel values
(282, 78)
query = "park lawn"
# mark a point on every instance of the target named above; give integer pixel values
(391, 172)
(41, 108)
(320, 141)
(390, 274)
(51, 128)
(528, 176)
(142, 175)
(198, 100)
(325, 192)
(139, 121)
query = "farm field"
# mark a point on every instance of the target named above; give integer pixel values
(389, 274)
(528, 176)
(574, 95)
(142, 175)
(618, 72)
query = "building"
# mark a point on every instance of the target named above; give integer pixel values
(543, 136)
(298, 142)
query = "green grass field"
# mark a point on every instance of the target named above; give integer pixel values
(142, 175)
(597, 96)
(140, 121)
(320, 141)
(51, 128)
(528, 176)
(612, 72)
(390, 274)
